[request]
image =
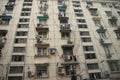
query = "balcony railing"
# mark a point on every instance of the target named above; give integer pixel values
(65, 28)
(40, 28)
(70, 58)
(105, 42)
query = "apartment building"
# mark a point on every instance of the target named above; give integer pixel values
(59, 39)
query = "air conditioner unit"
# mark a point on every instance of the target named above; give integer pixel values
(69, 41)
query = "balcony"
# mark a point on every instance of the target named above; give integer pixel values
(63, 19)
(65, 28)
(40, 28)
(105, 42)
(62, 7)
(101, 30)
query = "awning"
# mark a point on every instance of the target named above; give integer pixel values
(66, 46)
(62, 7)
(69, 63)
(5, 17)
(12, 0)
(93, 8)
(101, 30)
(42, 45)
(42, 17)
(41, 64)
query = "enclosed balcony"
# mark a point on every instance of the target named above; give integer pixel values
(63, 19)
(114, 66)
(40, 28)
(65, 28)
(4, 19)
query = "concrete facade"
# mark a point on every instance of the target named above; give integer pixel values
(60, 40)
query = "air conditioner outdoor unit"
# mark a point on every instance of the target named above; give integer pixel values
(69, 41)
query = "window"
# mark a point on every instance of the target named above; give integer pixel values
(43, 35)
(16, 69)
(108, 13)
(15, 78)
(76, 2)
(81, 20)
(78, 15)
(43, 21)
(82, 26)
(90, 56)
(65, 35)
(92, 66)
(102, 35)
(68, 69)
(94, 76)
(84, 33)
(106, 49)
(17, 58)
(104, 4)
(42, 51)
(23, 26)
(27, 4)
(21, 33)
(4, 21)
(68, 51)
(118, 35)
(24, 20)
(77, 10)
(26, 9)
(20, 40)
(114, 65)
(25, 14)
(88, 48)
(113, 22)
(42, 72)
(93, 12)
(118, 13)
(19, 49)
(97, 23)
(86, 39)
